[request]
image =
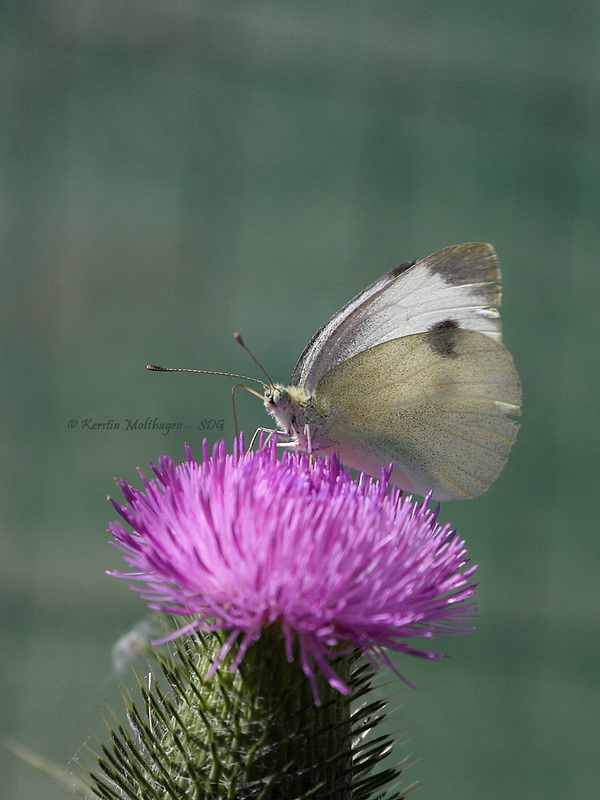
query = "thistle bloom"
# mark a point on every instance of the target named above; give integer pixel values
(245, 541)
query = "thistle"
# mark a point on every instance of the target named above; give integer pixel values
(291, 582)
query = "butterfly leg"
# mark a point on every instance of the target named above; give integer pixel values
(270, 432)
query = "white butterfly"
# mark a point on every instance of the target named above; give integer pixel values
(411, 372)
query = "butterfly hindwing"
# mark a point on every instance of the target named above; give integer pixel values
(434, 404)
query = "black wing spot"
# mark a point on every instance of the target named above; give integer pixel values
(401, 268)
(443, 341)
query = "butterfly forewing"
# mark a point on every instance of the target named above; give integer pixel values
(459, 283)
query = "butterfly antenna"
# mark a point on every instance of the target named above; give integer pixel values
(154, 368)
(241, 342)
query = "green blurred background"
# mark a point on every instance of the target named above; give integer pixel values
(174, 171)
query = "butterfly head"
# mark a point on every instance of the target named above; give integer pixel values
(286, 404)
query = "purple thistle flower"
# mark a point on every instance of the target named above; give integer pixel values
(245, 541)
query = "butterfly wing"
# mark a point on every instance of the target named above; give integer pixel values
(458, 284)
(434, 404)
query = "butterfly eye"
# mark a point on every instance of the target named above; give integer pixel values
(277, 395)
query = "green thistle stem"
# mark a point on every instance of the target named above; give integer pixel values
(251, 733)
(310, 745)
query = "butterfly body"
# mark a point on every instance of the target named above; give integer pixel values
(411, 372)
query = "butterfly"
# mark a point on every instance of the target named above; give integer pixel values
(411, 372)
